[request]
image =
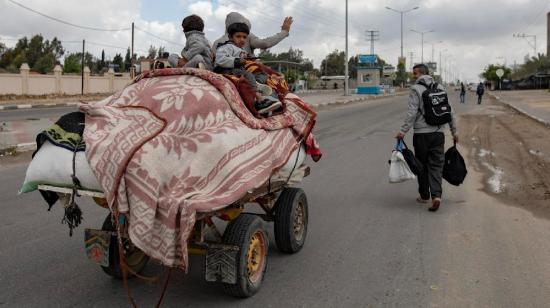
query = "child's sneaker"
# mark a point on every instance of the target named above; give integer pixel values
(267, 104)
(265, 90)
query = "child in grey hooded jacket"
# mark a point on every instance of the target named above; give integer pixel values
(197, 47)
(230, 59)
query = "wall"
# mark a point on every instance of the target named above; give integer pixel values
(38, 84)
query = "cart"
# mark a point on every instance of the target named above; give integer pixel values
(236, 257)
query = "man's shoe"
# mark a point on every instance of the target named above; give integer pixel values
(264, 89)
(267, 105)
(436, 202)
(420, 200)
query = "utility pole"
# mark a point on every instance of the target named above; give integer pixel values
(372, 36)
(82, 68)
(132, 69)
(411, 57)
(525, 36)
(346, 77)
(402, 13)
(422, 36)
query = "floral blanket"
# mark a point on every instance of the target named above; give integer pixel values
(178, 141)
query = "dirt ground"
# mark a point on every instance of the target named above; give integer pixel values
(513, 152)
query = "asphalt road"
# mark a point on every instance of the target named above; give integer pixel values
(369, 244)
(34, 113)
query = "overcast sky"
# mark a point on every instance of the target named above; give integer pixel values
(474, 32)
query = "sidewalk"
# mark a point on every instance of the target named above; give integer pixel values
(533, 103)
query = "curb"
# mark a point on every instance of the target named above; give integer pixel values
(520, 110)
(367, 97)
(29, 106)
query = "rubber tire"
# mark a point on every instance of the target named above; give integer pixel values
(114, 269)
(285, 208)
(238, 233)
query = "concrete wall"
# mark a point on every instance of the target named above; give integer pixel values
(31, 84)
(10, 84)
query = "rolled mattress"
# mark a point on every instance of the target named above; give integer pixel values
(53, 165)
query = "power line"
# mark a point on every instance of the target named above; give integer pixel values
(158, 37)
(66, 22)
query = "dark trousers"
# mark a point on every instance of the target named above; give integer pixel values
(429, 148)
(479, 97)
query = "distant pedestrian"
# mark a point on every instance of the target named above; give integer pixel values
(428, 113)
(462, 93)
(480, 91)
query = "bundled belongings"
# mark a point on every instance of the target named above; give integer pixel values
(399, 169)
(454, 170)
(180, 142)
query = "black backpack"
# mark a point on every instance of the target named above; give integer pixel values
(454, 170)
(437, 110)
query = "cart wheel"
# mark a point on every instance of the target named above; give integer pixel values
(291, 218)
(247, 232)
(135, 258)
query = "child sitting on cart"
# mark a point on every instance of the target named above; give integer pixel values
(231, 58)
(197, 51)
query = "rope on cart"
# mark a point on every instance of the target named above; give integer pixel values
(295, 163)
(73, 213)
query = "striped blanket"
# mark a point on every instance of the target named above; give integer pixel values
(178, 141)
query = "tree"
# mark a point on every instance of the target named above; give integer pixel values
(402, 75)
(161, 51)
(531, 66)
(152, 52)
(127, 61)
(99, 65)
(72, 63)
(334, 63)
(117, 60)
(40, 54)
(490, 72)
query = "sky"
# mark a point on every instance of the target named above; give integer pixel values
(469, 34)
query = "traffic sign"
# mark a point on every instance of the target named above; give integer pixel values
(500, 73)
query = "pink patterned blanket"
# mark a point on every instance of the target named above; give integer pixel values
(178, 141)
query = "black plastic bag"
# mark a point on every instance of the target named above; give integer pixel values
(414, 164)
(454, 170)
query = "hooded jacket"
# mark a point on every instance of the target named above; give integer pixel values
(253, 42)
(197, 44)
(228, 56)
(415, 118)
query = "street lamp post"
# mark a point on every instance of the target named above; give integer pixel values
(422, 36)
(401, 13)
(346, 81)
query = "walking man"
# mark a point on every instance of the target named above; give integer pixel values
(462, 93)
(479, 91)
(428, 139)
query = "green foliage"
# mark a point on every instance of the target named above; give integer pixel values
(152, 52)
(402, 74)
(531, 66)
(41, 55)
(292, 72)
(117, 60)
(72, 63)
(334, 64)
(490, 72)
